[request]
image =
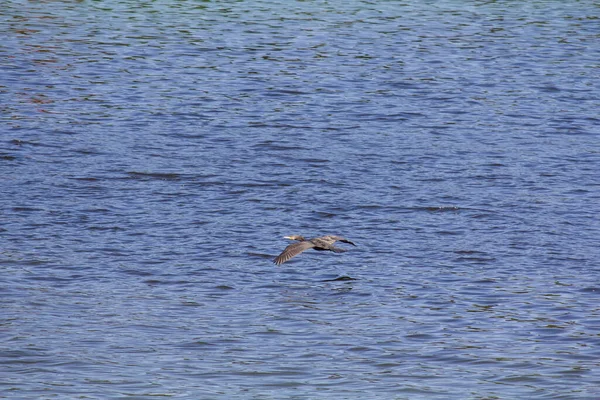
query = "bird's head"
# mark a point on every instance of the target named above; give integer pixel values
(294, 237)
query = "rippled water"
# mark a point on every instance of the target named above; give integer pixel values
(153, 154)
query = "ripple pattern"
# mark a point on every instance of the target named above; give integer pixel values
(152, 155)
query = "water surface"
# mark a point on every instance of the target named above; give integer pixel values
(154, 154)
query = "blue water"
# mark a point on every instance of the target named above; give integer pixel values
(154, 154)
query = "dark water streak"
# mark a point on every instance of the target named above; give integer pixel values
(152, 155)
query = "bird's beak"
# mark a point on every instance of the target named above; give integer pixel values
(287, 237)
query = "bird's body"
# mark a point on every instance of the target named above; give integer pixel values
(319, 243)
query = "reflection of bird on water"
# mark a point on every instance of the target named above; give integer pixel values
(318, 243)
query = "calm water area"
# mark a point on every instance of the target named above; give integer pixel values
(153, 154)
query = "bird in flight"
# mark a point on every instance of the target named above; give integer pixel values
(319, 243)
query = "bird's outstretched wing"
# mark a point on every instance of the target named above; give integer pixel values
(331, 239)
(346, 241)
(291, 251)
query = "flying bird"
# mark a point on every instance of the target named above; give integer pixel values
(319, 243)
